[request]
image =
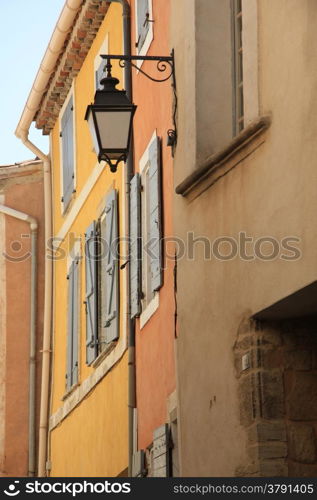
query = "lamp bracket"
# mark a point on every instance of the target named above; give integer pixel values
(164, 63)
(113, 164)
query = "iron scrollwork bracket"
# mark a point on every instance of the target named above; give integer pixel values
(164, 63)
(113, 164)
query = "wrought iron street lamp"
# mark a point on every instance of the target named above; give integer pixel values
(110, 121)
(110, 117)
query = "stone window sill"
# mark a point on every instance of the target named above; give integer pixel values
(217, 165)
(70, 391)
(103, 354)
(149, 311)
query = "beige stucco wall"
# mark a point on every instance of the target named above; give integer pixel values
(271, 192)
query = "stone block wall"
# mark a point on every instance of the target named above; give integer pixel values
(276, 367)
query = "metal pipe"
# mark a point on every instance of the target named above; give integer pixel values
(33, 308)
(32, 393)
(130, 171)
(46, 350)
(126, 14)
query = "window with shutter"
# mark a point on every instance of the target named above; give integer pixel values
(155, 218)
(111, 311)
(67, 138)
(144, 25)
(102, 224)
(102, 280)
(99, 63)
(151, 229)
(160, 452)
(135, 245)
(238, 94)
(72, 325)
(100, 74)
(91, 302)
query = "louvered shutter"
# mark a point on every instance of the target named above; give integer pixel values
(102, 282)
(91, 252)
(143, 24)
(135, 245)
(75, 322)
(100, 73)
(161, 446)
(68, 153)
(111, 313)
(155, 215)
(70, 315)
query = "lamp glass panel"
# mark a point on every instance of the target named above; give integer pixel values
(114, 128)
(93, 132)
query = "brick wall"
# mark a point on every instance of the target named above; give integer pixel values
(276, 367)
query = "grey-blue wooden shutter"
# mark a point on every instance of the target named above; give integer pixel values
(67, 135)
(70, 312)
(143, 24)
(160, 450)
(91, 253)
(100, 73)
(75, 322)
(72, 326)
(111, 316)
(135, 245)
(155, 215)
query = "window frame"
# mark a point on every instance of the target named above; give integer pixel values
(149, 36)
(104, 49)
(103, 347)
(237, 67)
(249, 101)
(148, 305)
(65, 207)
(74, 258)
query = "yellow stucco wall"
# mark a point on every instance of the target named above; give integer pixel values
(80, 444)
(92, 440)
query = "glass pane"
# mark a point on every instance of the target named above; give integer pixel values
(113, 128)
(93, 133)
(240, 102)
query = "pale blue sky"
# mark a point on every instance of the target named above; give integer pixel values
(26, 28)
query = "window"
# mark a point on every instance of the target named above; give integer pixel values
(174, 451)
(146, 234)
(100, 63)
(161, 452)
(72, 324)
(144, 25)
(238, 104)
(100, 74)
(67, 143)
(102, 280)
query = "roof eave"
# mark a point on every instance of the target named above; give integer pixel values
(48, 64)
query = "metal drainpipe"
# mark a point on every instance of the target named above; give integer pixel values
(32, 394)
(33, 307)
(130, 171)
(46, 350)
(126, 14)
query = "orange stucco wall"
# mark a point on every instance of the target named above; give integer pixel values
(28, 198)
(155, 372)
